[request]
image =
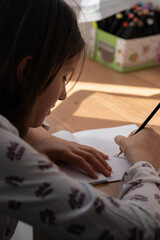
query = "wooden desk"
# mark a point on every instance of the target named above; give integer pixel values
(105, 98)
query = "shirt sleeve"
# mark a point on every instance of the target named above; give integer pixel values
(35, 191)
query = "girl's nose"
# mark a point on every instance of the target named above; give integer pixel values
(63, 94)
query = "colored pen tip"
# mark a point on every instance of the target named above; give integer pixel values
(119, 15)
(125, 24)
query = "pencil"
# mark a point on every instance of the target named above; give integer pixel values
(144, 123)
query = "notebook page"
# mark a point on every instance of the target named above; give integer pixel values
(66, 135)
(102, 140)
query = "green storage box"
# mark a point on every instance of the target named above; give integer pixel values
(124, 55)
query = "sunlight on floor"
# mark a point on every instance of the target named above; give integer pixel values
(110, 88)
(118, 89)
(117, 97)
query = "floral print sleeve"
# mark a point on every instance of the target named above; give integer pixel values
(35, 191)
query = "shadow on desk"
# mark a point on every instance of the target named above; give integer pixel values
(93, 109)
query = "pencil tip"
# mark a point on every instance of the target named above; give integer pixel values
(119, 153)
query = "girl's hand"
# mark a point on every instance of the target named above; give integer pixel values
(87, 158)
(130, 135)
(143, 146)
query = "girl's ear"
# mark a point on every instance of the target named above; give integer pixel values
(23, 68)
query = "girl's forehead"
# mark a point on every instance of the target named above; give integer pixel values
(70, 64)
(72, 60)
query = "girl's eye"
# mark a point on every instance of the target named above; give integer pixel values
(65, 79)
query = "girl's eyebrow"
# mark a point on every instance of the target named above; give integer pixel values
(69, 70)
(67, 63)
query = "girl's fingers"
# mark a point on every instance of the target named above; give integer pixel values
(132, 133)
(87, 158)
(103, 155)
(102, 161)
(102, 158)
(81, 162)
(120, 140)
(96, 162)
(97, 154)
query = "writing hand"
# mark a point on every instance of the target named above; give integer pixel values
(120, 149)
(143, 146)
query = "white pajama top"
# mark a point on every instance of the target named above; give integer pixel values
(33, 190)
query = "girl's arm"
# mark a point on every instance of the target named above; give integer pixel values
(57, 149)
(36, 192)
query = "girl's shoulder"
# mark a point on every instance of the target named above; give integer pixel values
(18, 157)
(12, 147)
(10, 139)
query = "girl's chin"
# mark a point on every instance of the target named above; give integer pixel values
(38, 121)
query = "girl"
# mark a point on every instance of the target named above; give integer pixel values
(40, 46)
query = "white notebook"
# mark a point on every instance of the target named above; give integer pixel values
(103, 140)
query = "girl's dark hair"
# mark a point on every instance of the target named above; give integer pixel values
(47, 30)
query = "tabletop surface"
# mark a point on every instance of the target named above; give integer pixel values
(105, 98)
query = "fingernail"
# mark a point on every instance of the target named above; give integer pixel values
(109, 168)
(95, 175)
(108, 174)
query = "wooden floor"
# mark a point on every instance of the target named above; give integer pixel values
(105, 98)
